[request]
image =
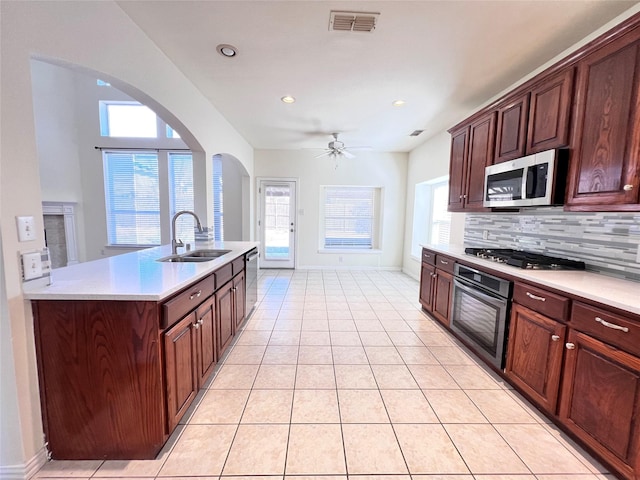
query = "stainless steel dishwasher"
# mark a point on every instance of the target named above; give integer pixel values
(251, 272)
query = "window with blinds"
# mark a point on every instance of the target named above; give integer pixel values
(132, 196)
(350, 219)
(181, 194)
(218, 210)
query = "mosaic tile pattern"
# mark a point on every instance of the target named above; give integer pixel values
(607, 242)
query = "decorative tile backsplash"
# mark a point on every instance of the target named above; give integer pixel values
(607, 242)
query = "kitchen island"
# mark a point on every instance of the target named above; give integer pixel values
(124, 344)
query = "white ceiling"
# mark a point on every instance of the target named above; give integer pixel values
(444, 58)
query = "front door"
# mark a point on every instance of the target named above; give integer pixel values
(277, 223)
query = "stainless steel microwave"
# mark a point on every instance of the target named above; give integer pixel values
(538, 179)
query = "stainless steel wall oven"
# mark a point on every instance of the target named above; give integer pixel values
(480, 311)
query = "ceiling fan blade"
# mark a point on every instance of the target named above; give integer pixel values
(324, 154)
(347, 154)
(359, 148)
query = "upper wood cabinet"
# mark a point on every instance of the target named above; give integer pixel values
(550, 112)
(471, 151)
(537, 119)
(512, 128)
(605, 157)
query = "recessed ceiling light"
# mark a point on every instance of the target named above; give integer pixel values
(227, 50)
(398, 103)
(288, 99)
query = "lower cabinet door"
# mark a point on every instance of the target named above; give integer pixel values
(225, 316)
(180, 360)
(239, 299)
(442, 296)
(601, 400)
(206, 340)
(534, 355)
(427, 274)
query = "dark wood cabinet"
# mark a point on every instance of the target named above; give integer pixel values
(239, 292)
(436, 284)
(225, 320)
(116, 377)
(601, 401)
(534, 357)
(511, 136)
(427, 275)
(442, 288)
(180, 347)
(605, 157)
(207, 346)
(457, 168)
(471, 152)
(550, 112)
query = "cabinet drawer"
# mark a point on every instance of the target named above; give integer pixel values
(610, 328)
(428, 257)
(445, 263)
(189, 299)
(237, 266)
(541, 301)
(223, 275)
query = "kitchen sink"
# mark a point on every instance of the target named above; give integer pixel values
(195, 256)
(208, 254)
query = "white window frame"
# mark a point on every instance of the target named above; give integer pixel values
(376, 234)
(423, 214)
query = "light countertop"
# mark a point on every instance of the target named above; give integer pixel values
(132, 276)
(615, 292)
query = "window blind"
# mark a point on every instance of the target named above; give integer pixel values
(441, 218)
(132, 198)
(181, 194)
(349, 217)
(218, 210)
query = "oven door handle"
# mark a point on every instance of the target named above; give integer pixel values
(491, 298)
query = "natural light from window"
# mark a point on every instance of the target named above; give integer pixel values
(431, 220)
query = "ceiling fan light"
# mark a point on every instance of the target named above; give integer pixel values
(398, 103)
(288, 99)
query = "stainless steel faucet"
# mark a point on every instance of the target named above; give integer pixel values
(178, 243)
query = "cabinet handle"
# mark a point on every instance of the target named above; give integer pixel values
(201, 321)
(627, 188)
(196, 325)
(555, 338)
(611, 325)
(460, 197)
(536, 297)
(444, 262)
(195, 295)
(570, 346)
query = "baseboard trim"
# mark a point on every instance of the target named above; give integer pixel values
(26, 470)
(345, 268)
(411, 274)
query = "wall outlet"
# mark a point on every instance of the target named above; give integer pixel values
(32, 265)
(485, 234)
(26, 229)
(638, 254)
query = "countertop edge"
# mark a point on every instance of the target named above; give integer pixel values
(619, 293)
(109, 278)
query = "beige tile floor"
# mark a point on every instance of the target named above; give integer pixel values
(340, 374)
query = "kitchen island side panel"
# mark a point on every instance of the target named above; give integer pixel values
(100, 369)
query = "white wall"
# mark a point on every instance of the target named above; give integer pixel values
(426, 162)
(232, 202)
(96, 37)
(387, 170)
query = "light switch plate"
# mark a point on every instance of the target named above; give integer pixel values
(26, 229)
(638, 254)
(32, 265)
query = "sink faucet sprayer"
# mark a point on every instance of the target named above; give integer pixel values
(178, 243)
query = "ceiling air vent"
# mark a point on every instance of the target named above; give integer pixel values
(415, 133)
(353, 21)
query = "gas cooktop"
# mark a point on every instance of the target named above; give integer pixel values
(521, 259)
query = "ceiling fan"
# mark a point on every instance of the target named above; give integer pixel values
(336, 149)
